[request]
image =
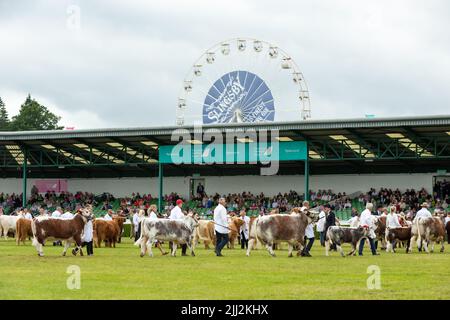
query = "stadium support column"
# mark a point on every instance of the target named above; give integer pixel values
(307, 173)
(160, 187)
(24, 178)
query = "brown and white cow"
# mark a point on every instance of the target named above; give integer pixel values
(428, 231)
(69, 230)
(23, 230)
(380, 230)
(275, 228)
(178, 231)
(395, 235)
(204, 232)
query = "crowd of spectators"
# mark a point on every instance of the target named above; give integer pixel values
(409, 200)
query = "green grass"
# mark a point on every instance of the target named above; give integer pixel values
(121, 274)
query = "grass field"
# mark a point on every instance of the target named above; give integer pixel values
(121, 274)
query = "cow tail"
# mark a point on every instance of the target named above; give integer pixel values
(33, 229)
(139, 241)
(419, 238)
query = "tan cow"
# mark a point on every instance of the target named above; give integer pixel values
(205, 233)
(23, 230)
(234, 226)
(107, 231)
(428, 231)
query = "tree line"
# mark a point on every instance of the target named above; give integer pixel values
(32, 116)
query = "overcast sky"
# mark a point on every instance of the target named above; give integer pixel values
(124, 64)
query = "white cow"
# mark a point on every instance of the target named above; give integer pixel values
(7, 224)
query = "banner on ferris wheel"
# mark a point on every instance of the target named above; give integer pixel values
(238, 96)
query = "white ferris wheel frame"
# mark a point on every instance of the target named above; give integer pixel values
(274, 52)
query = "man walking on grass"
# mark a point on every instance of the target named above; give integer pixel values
(220, 226)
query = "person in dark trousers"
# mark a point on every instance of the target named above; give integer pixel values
(244, 229)
(330, 221)
(366, 220)
(221, 226)
(309, 233)
(177, 213)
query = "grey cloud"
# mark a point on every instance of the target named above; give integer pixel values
(127, 62)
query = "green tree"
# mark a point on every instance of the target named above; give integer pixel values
(34, 116)
(4, 119)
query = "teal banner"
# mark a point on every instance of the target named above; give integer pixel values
(233, 153)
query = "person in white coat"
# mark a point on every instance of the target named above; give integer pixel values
(309, 232)
(27, 214)
(57, 213)
(423, 213)
(244, 229)
(366, 220)
(176, 214)
(88, 234)
(108, 215)
(447, 226)
(392, 221)
(320, 227)
(67, 215)
(151, 212)
(220, 226)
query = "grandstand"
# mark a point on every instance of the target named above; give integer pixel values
(348, 155)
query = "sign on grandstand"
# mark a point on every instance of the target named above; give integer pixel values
(233, 153)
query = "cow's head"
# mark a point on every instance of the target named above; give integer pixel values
(364, 230)
(86, 213)
(191, 221)
(312, 215)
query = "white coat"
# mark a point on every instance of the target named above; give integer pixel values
(245, 227)
(321, 223)
(423, 213)
(392, 221)
(366, 218)
(88, 231)
(176, 213)
(309, 231)
(220, 219)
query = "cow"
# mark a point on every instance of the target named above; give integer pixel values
(393, 235)
(23, 230)
(234, 226)
(339, 235)
(427, 231)
(107, 231)
(275, 228)
(69, 230)
(8, 224)
(380, 230)
(120, 221)
(204, 232)
(178, 231)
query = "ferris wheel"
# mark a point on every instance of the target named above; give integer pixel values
(243, 80)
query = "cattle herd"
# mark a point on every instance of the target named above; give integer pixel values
(267, 231)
